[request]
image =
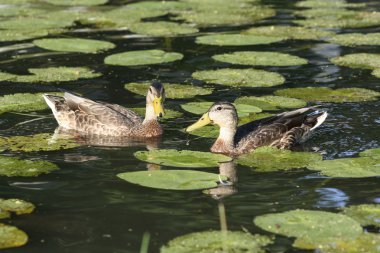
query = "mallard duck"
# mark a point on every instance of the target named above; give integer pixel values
(99, 118)
(283, 130)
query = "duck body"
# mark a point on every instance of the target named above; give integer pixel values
(283, 130)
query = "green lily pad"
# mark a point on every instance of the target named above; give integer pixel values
(374, 153)
(172, 90)
(323, 94)
(217, 242)
(17, 35)
(376, 73)
(35, 23)
(310, 227)
(17, 206)
(11, 237)
(240, 77)
(161, 28)
(4, 214)
(360, 60)
(289, 32)
(74, 45)
(183, 158)
(272, 102)
(235, 40)
(348, 167)
(23, 102)
(37, 142)
(76, 2)
(260, 59)
(364, 214)
(356, 39)
(328, 4)
(202, 107)
(142, 57)
(265, 159)
(173, 179)
(169, 114)
(169, 6)
(14, 167)
(367, 242)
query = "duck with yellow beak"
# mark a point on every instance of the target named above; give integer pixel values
(90, 117)
(283, 130)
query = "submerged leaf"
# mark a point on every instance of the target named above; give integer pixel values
(359, 60)
(17, 206)
(356, 39)
(240, 77)
(311, 228)
(217, 242)
(265, 159)
(23, 102)
(365, 243)
(161, 28)
(74, 45)
(14, 167)
(173, 179)
(202, 107)
(172, 90)
(142, 57)
(324, 94)
(182, 158)
(236, 40)
(11, 237)
(364, 214)
(260, 59)
(272, 102)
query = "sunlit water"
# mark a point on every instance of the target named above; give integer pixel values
(84, 207)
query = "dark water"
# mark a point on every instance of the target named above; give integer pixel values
(84, 207)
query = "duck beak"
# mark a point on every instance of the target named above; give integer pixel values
(158, 107)
(203, 121)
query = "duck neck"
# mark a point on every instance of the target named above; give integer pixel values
(149, 114)
(225, 142)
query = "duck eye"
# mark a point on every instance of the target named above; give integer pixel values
(219, 108)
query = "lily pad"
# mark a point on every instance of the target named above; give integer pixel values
(376, 73)
(323, 94)
(17, 206)
(348, 167)
(169, 6)
(374, 153)
(366, 215)
(356, 39)
(4, 214)
(240, 77)
(310, 227)
(236, 39)
(260, 59)
(74, 45)
(169, 114)
(11, 237)
(360, 60)
(183, 158)
(76, 2)
(37, 142)
(35, 23)
(17, 35)
(161, 28)
(367, 242)
(272, 102)
(14, 167)
(202, 107)
(217, 242)
(265, 159)
(328, 4)
(142, 57)
(289, 32)
(172, 90)
(173, 179)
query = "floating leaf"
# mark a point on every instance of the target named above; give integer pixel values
(260, 59)
(328, 4)
(235, 40)
(169, 114)
(348, 167)
(217, 242)
(266, 159)
(35, 23)
(173, 179)
(169, 6)
(310, 227)
(360, 60)
(76, 2)
(289, 32)
(172, 90)
(272, 102)
(376, 73)
(374, 153)
(11, 236)
(17, 206)
(4, 214)
(183, 158)
(240, 77)
(14, 167)
(74, 45)
(366, 215)
(202, 107)
(364, 243)
(142, 57)
(323, 94)
(161, 28)
(356, 39)
(17, 35)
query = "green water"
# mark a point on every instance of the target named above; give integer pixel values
(84, 207)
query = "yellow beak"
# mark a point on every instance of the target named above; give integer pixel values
(158, 106)
(203, 121)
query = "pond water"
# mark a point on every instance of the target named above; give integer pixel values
(85, 207)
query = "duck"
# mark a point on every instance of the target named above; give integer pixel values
(90, 117)
(282, 131)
